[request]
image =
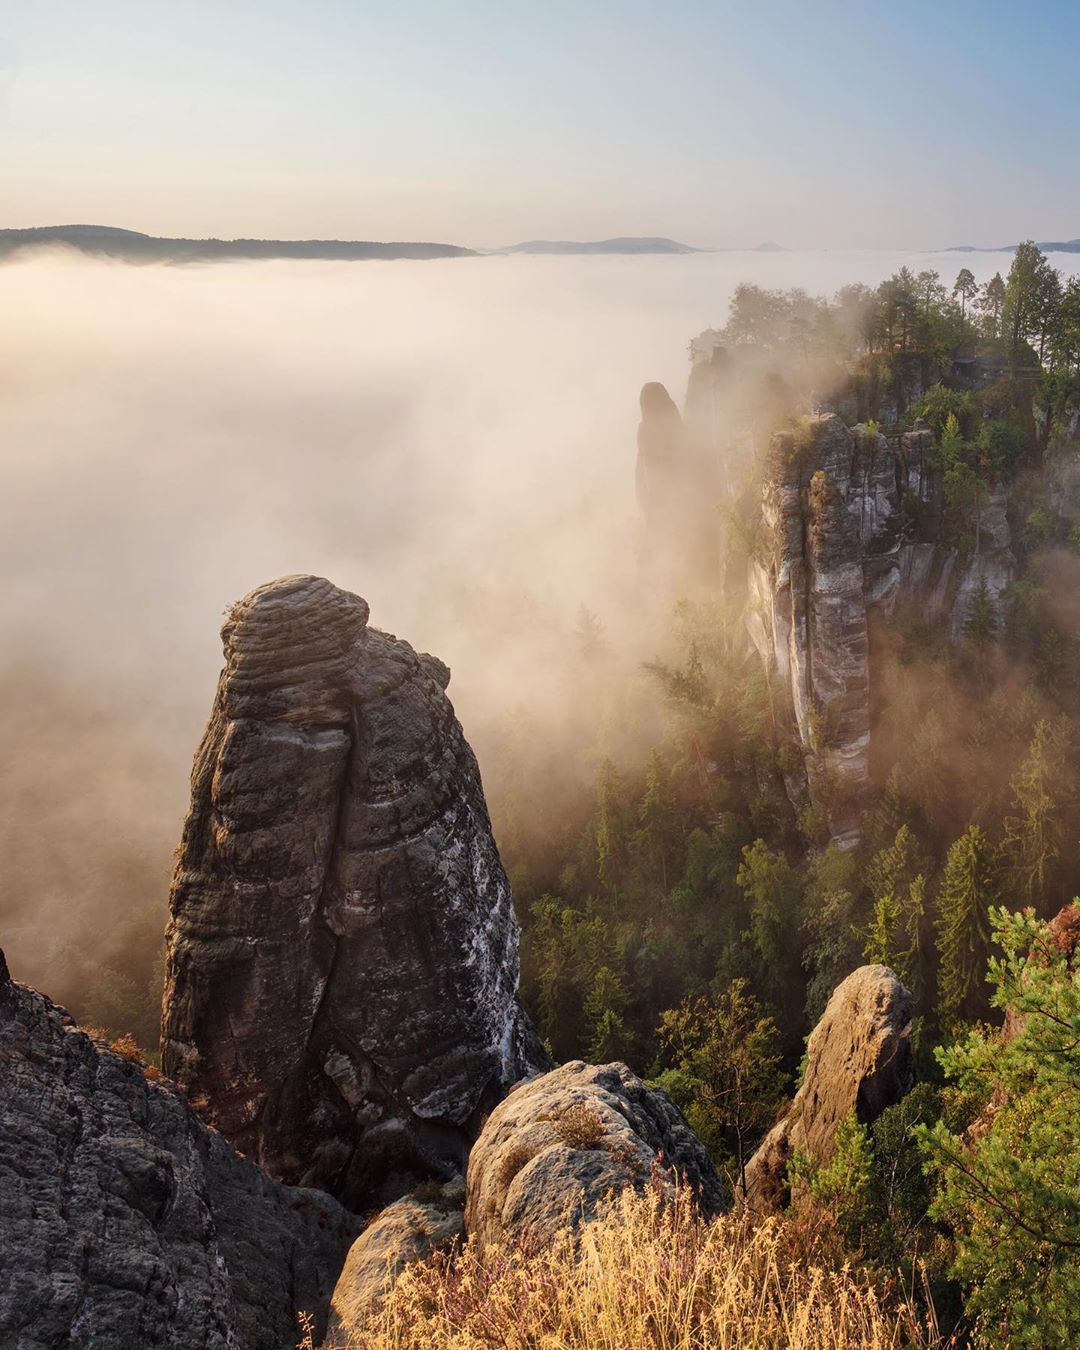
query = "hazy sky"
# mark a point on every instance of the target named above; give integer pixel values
(816, 123)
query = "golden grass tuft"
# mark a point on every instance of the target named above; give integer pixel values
(648, 1273)
(579, 1126)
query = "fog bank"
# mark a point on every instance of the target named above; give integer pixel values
(452, 440)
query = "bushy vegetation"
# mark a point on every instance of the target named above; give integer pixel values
(649, 1272)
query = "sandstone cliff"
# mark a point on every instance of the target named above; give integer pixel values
(341, 983)
(851, 528)
(125, 1222)
(858, 1059)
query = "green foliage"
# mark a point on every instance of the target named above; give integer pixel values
(981, 619)
(968, 889)
(940, 403)
(1032, 842)
(773, 889)
(897, 886)
(1011, 1190)
(727, 1048)
(842, 1187)
(831, 906)
(605, 1010)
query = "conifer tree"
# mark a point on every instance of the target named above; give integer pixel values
(1032, 842)
(963, 925)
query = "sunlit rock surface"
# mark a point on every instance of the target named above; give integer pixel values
(562, 1142)
(125, 1222)
(851, 528)
(858, 1059)
(341, 982)
(406, 1231)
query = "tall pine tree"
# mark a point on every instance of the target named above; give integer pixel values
(968, 889)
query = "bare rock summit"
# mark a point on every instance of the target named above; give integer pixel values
(858, 1059)
(342, 955)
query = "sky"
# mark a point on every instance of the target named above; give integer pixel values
(831, 124)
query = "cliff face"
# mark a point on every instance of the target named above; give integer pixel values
(341, 982)
(124, 1221)
(851, 528)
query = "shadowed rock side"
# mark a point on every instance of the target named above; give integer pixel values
(858, 1059)
(125, 1222)
(560, 1143)
(342, 964)
(851, 528)
(676, 489)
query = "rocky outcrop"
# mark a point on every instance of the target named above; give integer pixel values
(852, 528)
(406, 1231)
(560, 1143)
(125, 1222)
(342, 964)
(662, 471)
(858, 1059)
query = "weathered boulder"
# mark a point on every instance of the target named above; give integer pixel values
(342, 957)
(125, 1222)
(852, 528)
(560, 1143)
(858, 1059)
(406, 1231)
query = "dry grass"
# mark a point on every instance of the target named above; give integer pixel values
(648, 1273)
(579, 1126)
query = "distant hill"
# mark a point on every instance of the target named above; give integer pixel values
(626, 245)
(1069, 246)
(131, 246)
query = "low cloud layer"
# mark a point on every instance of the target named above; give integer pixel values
(452, 440)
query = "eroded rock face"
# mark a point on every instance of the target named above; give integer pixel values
(858, 1059)
(562, 1142)
(851, 528)
(125, 1222)
(341, 982)
(406, 1231)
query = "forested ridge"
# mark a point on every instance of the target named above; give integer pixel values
(682, 915)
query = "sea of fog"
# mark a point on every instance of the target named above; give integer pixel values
(452, 439)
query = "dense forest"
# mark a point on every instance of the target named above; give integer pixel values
(681, 915)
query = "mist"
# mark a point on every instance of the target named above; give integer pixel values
(452, 440)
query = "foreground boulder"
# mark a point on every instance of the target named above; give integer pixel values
(342, 966)
(125, 1222)
(858, 1059)
(562, 1142)
(431, 1219)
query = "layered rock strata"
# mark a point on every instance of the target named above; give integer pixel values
(563, 1142)
(342, 964)
(851, 528)
(858, 1059)
(125, 1222)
